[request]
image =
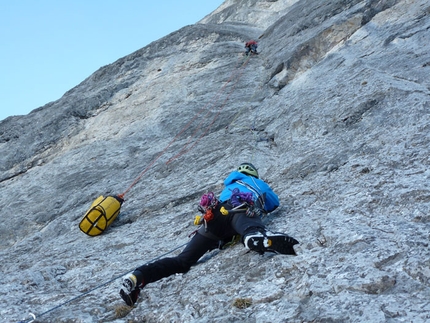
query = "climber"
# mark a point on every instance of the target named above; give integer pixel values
(237, 212)
(251, 46)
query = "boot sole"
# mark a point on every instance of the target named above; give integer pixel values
(282, 244)
(126, 297)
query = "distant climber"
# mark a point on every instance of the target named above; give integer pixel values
(237, 212)
(251, 47)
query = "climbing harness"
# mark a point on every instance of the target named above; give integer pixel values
(243, 202)
(34, 316)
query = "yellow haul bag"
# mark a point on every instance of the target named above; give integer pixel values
(101, 214)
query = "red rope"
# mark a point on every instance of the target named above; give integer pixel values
(217, 95)
(184, 150)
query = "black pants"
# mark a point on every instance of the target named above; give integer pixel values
(221, 228)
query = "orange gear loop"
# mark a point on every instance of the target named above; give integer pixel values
(209, 215)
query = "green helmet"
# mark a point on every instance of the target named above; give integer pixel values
(248, 169)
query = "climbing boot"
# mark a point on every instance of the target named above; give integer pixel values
(267, 241)
(129, 291)
(131, 298)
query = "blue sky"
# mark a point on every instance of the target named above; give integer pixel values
(50, 46)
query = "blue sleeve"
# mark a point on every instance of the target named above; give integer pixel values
(234, 176)
(272, 200)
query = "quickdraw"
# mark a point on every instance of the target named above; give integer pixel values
(249, 209)
(240, 208)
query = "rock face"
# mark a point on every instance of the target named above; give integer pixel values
(335, 114)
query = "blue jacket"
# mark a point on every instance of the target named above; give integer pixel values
(240, 180)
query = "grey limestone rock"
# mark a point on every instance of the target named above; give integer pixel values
(334, 112)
